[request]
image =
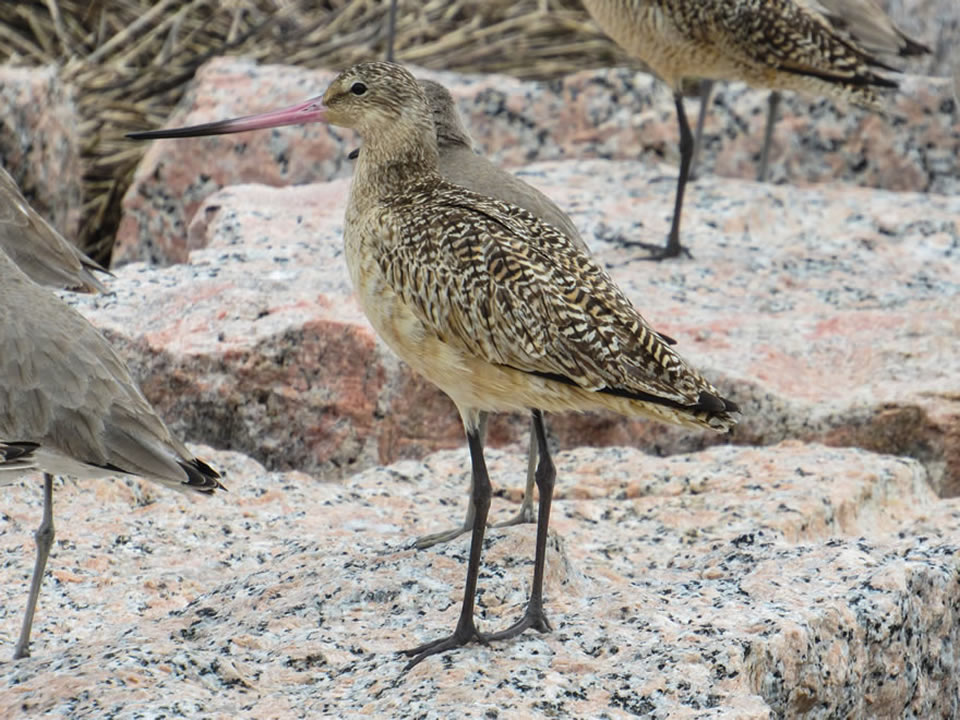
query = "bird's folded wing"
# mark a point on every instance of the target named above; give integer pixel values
(787, 35)
(43, 253)
(495, 282)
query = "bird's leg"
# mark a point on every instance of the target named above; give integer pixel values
(525, 515)
(773, 103)
(706, 90)
(673, 247)
(44, 539)
(391, 29)
(534, 616)
(425, 541)
(466, 630)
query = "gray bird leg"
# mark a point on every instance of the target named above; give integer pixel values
(706, 90)
(44, 539)
(773, 104)
(673, 247)
(391, 30)
(525, 515)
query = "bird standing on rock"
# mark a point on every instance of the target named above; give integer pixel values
(68, 406)
(498, 308)
(776, 44)
(461, 165)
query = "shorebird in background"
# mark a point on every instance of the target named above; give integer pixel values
(68, 406)
(862, 21)
(498, 308)
(777, 44)
(38, 249)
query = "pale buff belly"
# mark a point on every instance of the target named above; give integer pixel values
(651, 35)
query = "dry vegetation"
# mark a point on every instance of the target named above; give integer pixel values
(128, 60)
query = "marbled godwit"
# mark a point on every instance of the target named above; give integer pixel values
(777, 44)
(498, 308)
(461, 165)
(68, 406)
(38, 249)
(864, 22)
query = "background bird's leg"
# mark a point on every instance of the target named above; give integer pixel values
(706, 90)
(673, 247)
(466, 629)
(772, 107)
(425, 541)
(534, 616)
(391, 30)
(525, 515)
(44, 539)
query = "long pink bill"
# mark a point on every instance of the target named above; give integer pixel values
(310, 111)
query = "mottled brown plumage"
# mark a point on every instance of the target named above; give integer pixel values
(862, 23)
(38, 249)
(460, 164)
(498, 308)
(494, 283)
(776, 44)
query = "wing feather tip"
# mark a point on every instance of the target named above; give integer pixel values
(201, 477)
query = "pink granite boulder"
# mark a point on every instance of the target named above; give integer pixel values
(611, 114)
(40, 143)
(828, 313)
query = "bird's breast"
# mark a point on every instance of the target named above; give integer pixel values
(671, 37)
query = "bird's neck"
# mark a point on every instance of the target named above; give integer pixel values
(391, 162)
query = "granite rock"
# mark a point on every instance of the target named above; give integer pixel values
(729, 583)
(40, 145)
(936, 23)
(609, 114)
(828, 313)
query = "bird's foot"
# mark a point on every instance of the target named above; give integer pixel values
(464, 634)
(533, 618)
(526, 515)
(425, 541)
(658, 252)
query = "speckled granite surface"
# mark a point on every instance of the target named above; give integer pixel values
(791, 580)
(828, 312)
(732, 583)
(609, 114)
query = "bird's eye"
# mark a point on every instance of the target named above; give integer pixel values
(358, 88)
